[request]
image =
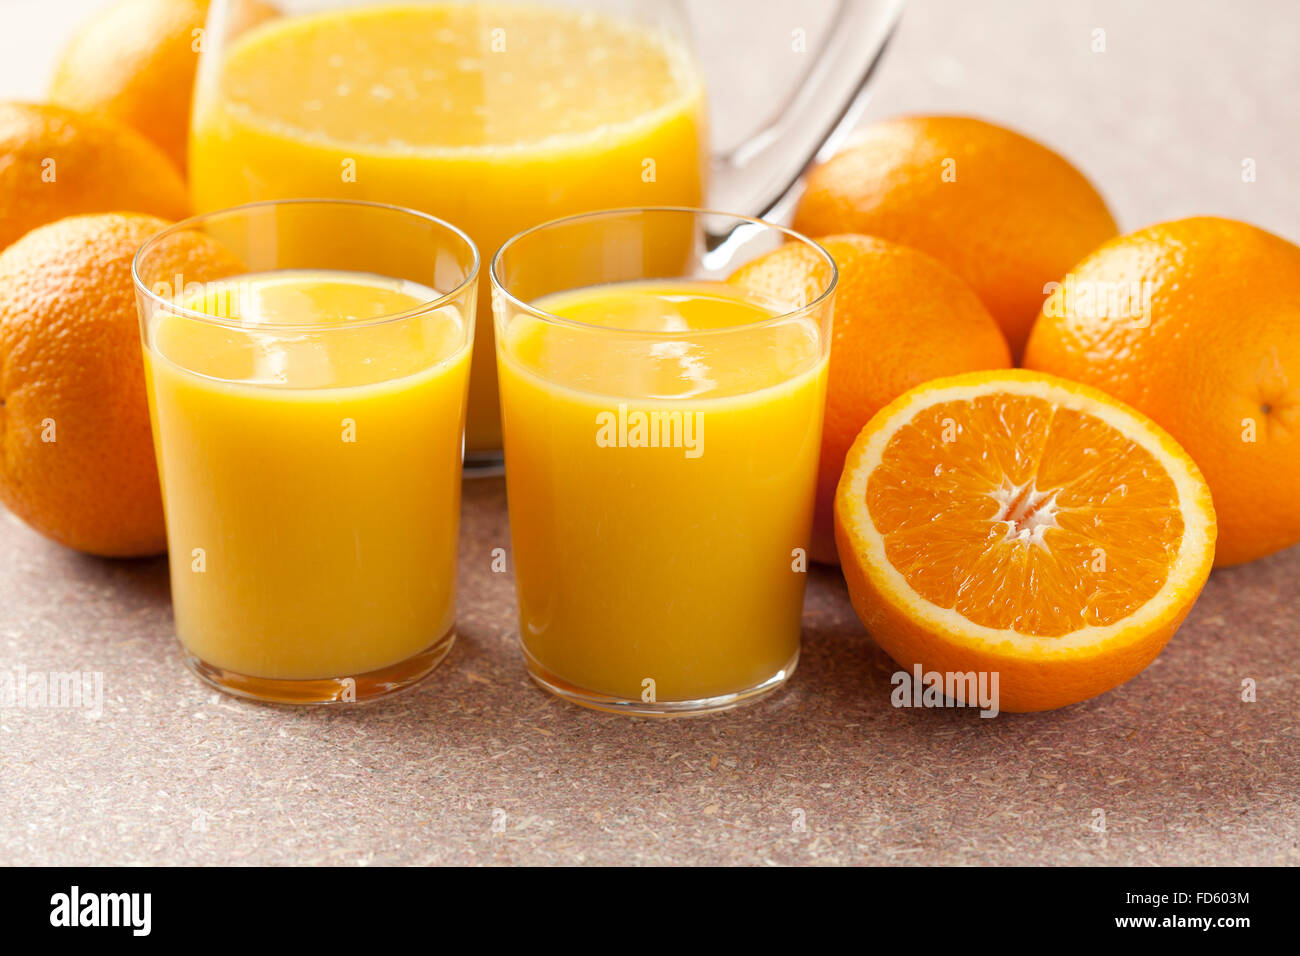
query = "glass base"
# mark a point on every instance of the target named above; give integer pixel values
(330, 690)
(664, 708)
(484, 464)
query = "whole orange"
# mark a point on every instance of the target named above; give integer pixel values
(1197, 323)
(76, 450)
(56, 162)
(134, 60)
(1005, 213)
(901, 318)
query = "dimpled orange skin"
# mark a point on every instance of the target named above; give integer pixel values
(1015, 217)
(901, 318)
(1222, 351)
(70, 357)
(56, 162)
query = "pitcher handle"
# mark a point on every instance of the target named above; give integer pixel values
(758, 176)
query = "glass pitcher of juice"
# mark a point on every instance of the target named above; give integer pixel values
(499, 116)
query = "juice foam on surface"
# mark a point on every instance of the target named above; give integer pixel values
(357, 350)
(404, 77)
(650, 353)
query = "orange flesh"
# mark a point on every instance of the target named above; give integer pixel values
(1030, 517)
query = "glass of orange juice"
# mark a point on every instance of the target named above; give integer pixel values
(501, 115)
(662, 429)
(307, 364)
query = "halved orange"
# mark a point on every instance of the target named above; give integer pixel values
(1018, 523)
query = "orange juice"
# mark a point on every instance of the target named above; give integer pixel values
(660, 480)
(495, 117)
(311, 480)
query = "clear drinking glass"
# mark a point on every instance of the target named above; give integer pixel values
(500, 116)
(307, 365)
(662, 429)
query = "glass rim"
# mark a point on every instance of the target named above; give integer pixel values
(191, 223)
(822, 297)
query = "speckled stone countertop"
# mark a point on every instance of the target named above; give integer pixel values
(174, 772)
(476, 765)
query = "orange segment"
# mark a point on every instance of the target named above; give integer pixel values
(1025, 497)
(1019, 523)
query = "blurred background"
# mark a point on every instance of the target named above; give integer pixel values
(1161, 121)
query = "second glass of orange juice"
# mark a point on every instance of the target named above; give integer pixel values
(662, 430)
